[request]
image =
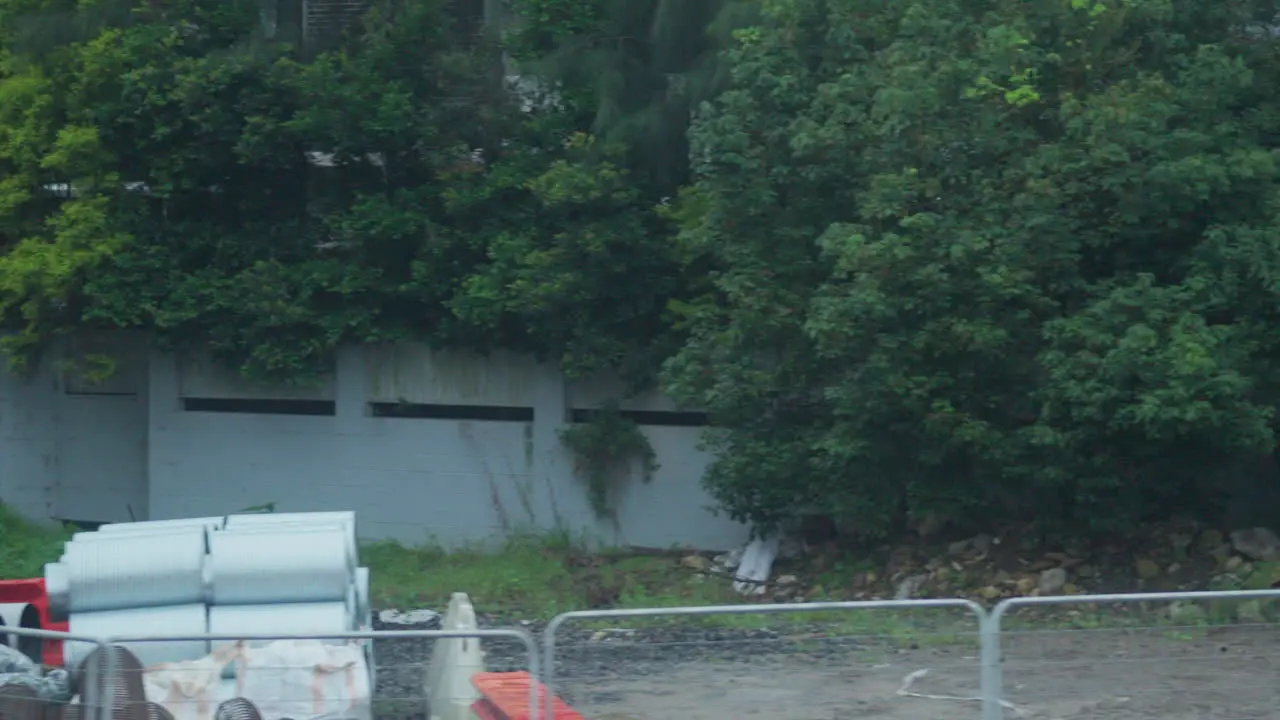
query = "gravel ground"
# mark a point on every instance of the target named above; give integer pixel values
(799, 674)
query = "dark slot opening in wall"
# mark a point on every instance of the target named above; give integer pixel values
(100, 393)
(260, 406)
(423, 411)
(656, 418)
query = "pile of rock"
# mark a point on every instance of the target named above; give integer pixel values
(989, 569)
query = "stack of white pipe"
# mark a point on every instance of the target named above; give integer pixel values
(289, 573)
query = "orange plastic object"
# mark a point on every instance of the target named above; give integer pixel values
(32, 591)
(508, 695)
(484, 710)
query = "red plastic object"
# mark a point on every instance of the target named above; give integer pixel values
(484, 710)
(506, 697)
(32, 591)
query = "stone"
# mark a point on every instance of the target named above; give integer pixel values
(1250, 611)
(787, 580)
(1147, 568)
(1026, 585)
(1257, 544)
(990, 592)
(1222, 554)
(1264, 576)
(1233, 563)
(1069, 589)
(696, 562)
(1209, 542)
(1051, 581)
(958, 547)
(1180, 542)
(1226, 581)
(909, 587)
(1086, 571)
(1187, 613)
(732, 559)
(1173, 568)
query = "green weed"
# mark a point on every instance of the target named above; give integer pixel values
(26, 546)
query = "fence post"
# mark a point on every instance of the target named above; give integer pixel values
(992, 677)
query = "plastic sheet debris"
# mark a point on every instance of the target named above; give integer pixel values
(284, 679)
(13, 661)
(16, 669)
(424, 619)
(333, 679)
(53, 687)
(757, 563)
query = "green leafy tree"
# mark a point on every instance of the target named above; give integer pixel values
(986, 259)
(230, 193)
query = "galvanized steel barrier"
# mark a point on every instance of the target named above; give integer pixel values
(1103, 666)
(1002, 647)
(408, 673)
(867, 640)
(1217, 650)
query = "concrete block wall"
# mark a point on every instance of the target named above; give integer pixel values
(423, 446)
(71, 446)
(28, 442)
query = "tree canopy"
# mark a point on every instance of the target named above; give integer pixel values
(950, 258)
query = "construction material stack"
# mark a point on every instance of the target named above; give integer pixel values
(287, 573)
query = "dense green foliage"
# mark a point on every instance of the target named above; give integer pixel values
(929, 258)
(443, 211)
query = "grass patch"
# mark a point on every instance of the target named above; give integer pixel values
(538, 577)
(26, 546)
(534, 576)
(527, 572)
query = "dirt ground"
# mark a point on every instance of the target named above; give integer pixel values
(1227, 674)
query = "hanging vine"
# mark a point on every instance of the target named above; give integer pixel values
(604, 449)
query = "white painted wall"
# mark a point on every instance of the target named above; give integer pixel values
(128, 448)
(415, 480)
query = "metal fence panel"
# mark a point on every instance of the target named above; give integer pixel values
(872, 659)
(1164, 656)
(400, 660)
